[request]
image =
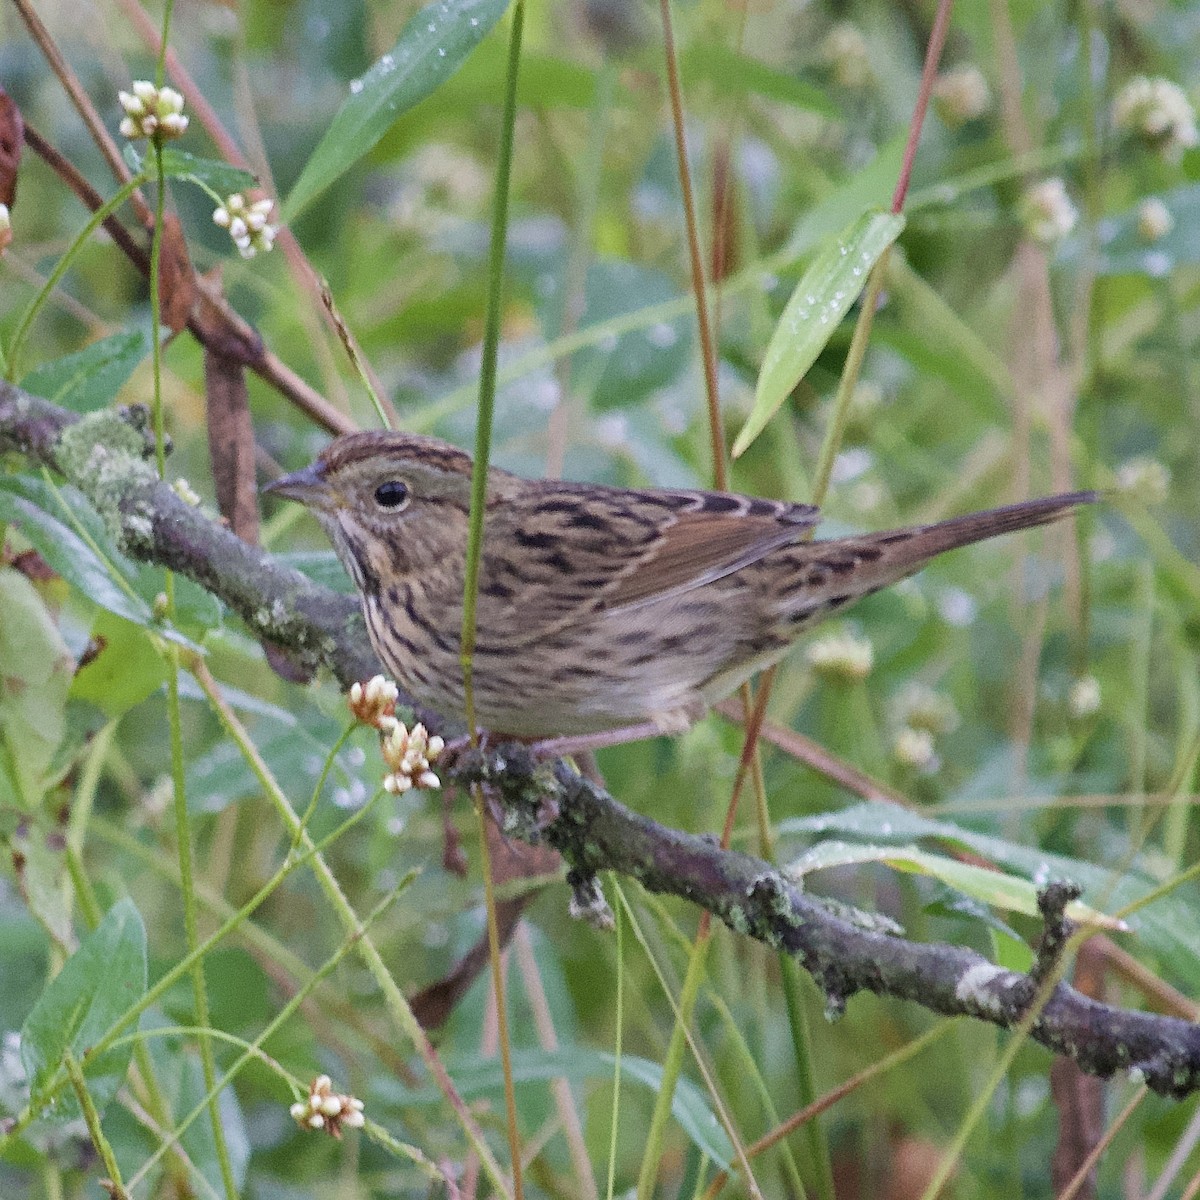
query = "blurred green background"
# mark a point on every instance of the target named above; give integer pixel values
(1042, 690)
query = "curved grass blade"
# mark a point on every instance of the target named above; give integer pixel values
(995, 888)
(824, 295)
(432, 46)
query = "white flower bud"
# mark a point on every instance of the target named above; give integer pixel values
(1157, 111)
(1047, 211)
(914, 748)
(1154, 220)
(961, 95)
(1144, 478)
(841, 658)
(1084, 698)
(845, 50)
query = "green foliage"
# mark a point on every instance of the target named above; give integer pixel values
(431, 48)
(35, 673)
(89, 379)
(1035, 702)
(826, 292)
(84, 1000)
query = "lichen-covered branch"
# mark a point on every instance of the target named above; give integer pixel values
(103, 454)
(593, 832)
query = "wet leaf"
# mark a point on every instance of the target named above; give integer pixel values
(432, 46)
(824, 295)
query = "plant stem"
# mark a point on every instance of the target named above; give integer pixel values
(479, 479)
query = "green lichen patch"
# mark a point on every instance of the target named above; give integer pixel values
(103, 456)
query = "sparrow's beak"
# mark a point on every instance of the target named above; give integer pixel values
(306, 485)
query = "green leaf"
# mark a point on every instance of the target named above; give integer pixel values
(624, 370)
(870, 187)
(733, 74)
(1168, 926)
(90, 378)
(43, 872)
(35, 674)
(65, 550)
(431, 48)
(96, 986)
(293, 747)
(127, 667)
(579, 1064)
(824, 295)
(321, 566)
(224, 178)
(74, 540)
(1009, 892)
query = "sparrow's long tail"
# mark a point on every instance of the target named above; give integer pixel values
(832, 573)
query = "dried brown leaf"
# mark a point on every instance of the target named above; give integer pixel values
(231, 443)
(176, 280)
(12, 136)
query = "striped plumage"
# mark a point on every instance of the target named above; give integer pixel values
(598, 607)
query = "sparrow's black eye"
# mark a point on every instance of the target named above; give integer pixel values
(392, 494)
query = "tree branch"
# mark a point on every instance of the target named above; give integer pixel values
(103, 454)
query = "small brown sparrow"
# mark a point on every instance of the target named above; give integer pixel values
(599, 607)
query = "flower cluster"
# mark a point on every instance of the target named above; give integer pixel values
(1047, 211)
(961, 95)
(845, 50)
(152, 112)
(327, 1109)
(374, 702)
(922, 715)
(841, 658)
(409, 754)
(438, 186)
(1144, 479)
(1159, 112)
(1083, 700)
(920, 707)
(1154, 219)
(914, 748)
(252, 233)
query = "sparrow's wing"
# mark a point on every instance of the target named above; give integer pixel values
(573, 550)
